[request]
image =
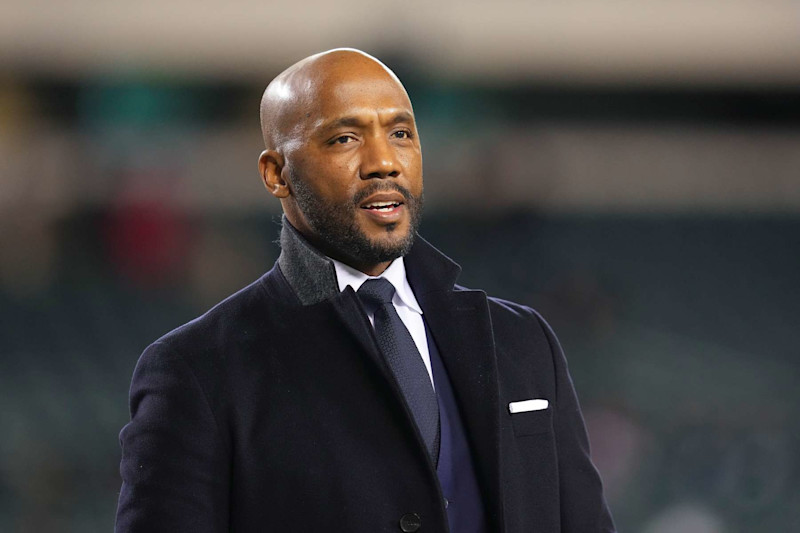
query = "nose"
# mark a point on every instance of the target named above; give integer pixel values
(379, 160)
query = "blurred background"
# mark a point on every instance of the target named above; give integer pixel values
(630, 169)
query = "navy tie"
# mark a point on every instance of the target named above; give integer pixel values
(403, 358)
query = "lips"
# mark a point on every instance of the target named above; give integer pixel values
(384, 202)
(384, 207)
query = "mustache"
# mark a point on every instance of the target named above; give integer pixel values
(382, 186)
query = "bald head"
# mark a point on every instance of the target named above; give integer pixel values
(343, 157)
(296, 95)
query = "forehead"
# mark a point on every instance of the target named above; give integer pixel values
(363, 93)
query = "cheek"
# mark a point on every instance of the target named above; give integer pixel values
(335, 167)
(341, 179)
(329, 178)
(413, 167)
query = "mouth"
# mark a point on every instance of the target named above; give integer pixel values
(384, 207)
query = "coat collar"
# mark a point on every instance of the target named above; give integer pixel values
(309, 272)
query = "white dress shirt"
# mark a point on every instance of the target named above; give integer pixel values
(404, 301)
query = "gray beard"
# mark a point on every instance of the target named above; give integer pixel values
(335, 224)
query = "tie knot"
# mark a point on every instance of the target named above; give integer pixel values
(376, 292)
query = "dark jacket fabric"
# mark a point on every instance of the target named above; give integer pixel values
(275, 411)
(466, 511)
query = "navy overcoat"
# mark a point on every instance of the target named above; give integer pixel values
(268, 415)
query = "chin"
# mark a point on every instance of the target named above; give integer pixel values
(390, 235)
(393, 231)
(387, 247)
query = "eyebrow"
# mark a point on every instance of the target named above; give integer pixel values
(354, 121)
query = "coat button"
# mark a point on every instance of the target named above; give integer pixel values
(410, 522)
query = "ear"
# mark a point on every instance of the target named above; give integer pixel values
(270, 166)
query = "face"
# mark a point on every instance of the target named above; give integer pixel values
(355, 172)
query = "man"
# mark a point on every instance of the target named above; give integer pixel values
(319, 398)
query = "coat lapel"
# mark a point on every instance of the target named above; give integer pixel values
(460, 324)
(461, 327)
(352, 315)
(345, 307)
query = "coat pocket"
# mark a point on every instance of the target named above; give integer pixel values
(532, 422)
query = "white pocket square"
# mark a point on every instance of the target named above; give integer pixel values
(536, 404)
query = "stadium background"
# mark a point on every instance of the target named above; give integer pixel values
(630, 169)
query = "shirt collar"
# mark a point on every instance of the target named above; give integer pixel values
(395, 274)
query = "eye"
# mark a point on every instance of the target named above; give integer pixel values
(402, 134)
(342, 138)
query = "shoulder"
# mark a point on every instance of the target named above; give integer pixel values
(202, 354)
(234, 320)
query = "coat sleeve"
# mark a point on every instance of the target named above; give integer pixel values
(583, 506)
(175, 473)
